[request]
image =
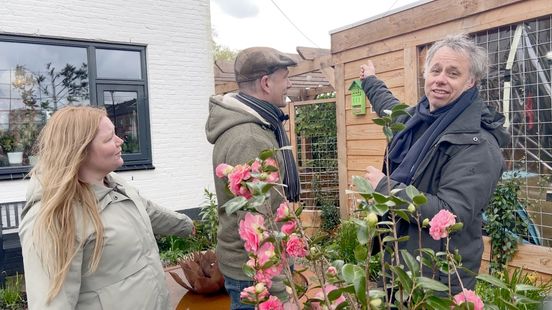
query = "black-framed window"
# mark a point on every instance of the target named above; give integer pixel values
(40, 75)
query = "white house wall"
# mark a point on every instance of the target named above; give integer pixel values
(180, 80)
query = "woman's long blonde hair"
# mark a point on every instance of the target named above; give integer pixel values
(62, 148)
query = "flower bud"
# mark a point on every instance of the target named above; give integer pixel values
(372, 219)
(411, 208)
(332, 272)
(375, 302)
(425, 223)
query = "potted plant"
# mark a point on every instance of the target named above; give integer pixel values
(11, 147)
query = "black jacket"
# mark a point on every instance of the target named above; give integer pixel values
(459, 174)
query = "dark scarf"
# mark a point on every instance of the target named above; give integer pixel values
(274, 116)
(406, 154)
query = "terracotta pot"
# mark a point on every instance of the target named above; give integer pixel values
(202, 275)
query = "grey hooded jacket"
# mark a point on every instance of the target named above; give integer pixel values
(459, 174)
(239, 134)
(130, 275)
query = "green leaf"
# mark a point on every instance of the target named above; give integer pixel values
(404, 279)
(299, 210)
(379, 198)
(419, 199)
(388, 133)
(234, 204)
(359, 282)
(456, 227)
(411, 191)
(492, 280)
(257, 201)
(362, 185)
(438, 303)
(430, 284)
(411, 262)
(380, 208)
(525, 287)
(348, 272)
(396, 127)
(402, 214)
(378, 121)
(265, 154)
(400, 107)
(363, 234)
(396, 114)
(333, 295)
(249, 271)
(361, 252)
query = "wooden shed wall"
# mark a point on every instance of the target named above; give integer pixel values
(392, 42)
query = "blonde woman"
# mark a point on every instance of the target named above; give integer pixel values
(88, 237)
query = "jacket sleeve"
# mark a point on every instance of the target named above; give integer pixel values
(466, 184)
(167, 222)
(37, 281)
(379, 95)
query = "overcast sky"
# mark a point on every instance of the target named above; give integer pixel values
(239, 24)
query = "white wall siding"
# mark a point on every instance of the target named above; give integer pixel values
(180, 80)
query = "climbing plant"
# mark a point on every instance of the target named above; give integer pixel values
(504, 225)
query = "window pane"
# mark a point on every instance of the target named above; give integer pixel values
(121, 107)
(35, 80)
(114, 64)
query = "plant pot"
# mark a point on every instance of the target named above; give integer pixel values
(15, 158)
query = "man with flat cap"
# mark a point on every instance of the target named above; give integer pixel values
(241, 125)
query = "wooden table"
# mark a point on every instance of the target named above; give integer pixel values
(191, 301)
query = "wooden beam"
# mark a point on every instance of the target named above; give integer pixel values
(310, 53)
(411, 74)
(316, 101)
(528, 256)
(341, 140)
(512, 14)
(441, 11)
(322, 63)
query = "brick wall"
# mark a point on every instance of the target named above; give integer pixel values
(180, 77)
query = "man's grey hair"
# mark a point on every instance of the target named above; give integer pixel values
(462, 44)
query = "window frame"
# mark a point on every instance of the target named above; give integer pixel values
(132, 162)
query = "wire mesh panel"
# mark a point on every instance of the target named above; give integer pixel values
(518, 83)
(316, 137)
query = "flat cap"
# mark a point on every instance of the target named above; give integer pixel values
(254, 62)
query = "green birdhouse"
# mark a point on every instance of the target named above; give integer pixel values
(358, 99)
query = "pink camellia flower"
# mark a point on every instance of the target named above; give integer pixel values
(296, 246)
(271, 162)
(265, 253)
(252, 231)
(273, 177)
(468, 296)
(273, 303)
(289, 227)
(256, 166)
(282, 213)
(239, 174)
(439, 224)
(327, 288)
(255, 293)
(244, 191)
(266, 275)
(223, 170)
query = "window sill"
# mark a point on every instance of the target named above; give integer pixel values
(20, 173)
